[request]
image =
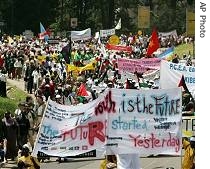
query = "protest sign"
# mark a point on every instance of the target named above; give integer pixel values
(138, 65)
(118, 121)
(107, 32)
(119, 48)
(188, 126)
(166, 34)
(127, 75)
(81, 35)
(171, 74)
(151, 75)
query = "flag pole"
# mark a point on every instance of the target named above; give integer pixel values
(34, 153)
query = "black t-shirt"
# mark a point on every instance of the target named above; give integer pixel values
(23, 123)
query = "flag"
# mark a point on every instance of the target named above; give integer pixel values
(82, 91)
(43, 33)
(118, 26)
(127, 84)
(183, 84)
(10, 40)
(99, 40)
(103, 51)
(167, 54)
(96, 35)
(153, 44)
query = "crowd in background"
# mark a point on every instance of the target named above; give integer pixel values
(49, 77)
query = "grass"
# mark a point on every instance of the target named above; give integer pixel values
(10, 103)
(184, 49)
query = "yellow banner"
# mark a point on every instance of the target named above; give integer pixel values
(190, 22)
(143, 17)
(90, 66)
(41, 58)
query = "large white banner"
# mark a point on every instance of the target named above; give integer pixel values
(81, 35)
(165, 34)
(119, 121)
(107, 32)
(171, 73)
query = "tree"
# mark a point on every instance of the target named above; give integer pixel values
(21, 15)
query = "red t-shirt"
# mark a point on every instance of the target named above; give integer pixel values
(1, 62)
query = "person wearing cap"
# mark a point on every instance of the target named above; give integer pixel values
(19, 109)
(26, 160)
(58, 99)
(189, 154)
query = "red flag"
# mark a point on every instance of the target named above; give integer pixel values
(127, 86)
(82, 91)
(153, 44)
(183, 84)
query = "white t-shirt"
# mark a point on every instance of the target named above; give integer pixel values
(36, 76)
(128, 161)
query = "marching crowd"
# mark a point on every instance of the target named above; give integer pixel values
(49, 77)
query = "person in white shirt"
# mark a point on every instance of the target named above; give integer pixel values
(36, 75)
(128, 161)
(18, 68)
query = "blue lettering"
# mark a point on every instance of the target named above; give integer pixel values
(49, 131)
(133, 124)
(191, 69)
(189, 79)
(177, 67)
(171, 66)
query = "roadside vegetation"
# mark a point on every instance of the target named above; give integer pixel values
(9, 103)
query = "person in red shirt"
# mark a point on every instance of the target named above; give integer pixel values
(1, 61)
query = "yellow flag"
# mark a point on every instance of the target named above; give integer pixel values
(10, 40)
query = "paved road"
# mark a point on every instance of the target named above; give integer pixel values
(159, 162)
(146, 163)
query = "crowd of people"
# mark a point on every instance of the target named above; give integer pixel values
(45, 70)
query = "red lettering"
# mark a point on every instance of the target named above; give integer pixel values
(74, 134)
(153, 141)
(96, 131)
(106, 105)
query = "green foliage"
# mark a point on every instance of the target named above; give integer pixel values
(182, 49)
(21, 15)
(14, 96)
(97, 14)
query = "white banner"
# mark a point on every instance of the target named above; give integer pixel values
(107, 32)
(151, 75)
(118, 26)
(127, 75)
(188, 126)
(81, 35)
(165, 34)
(119, 121)
(171, 73)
